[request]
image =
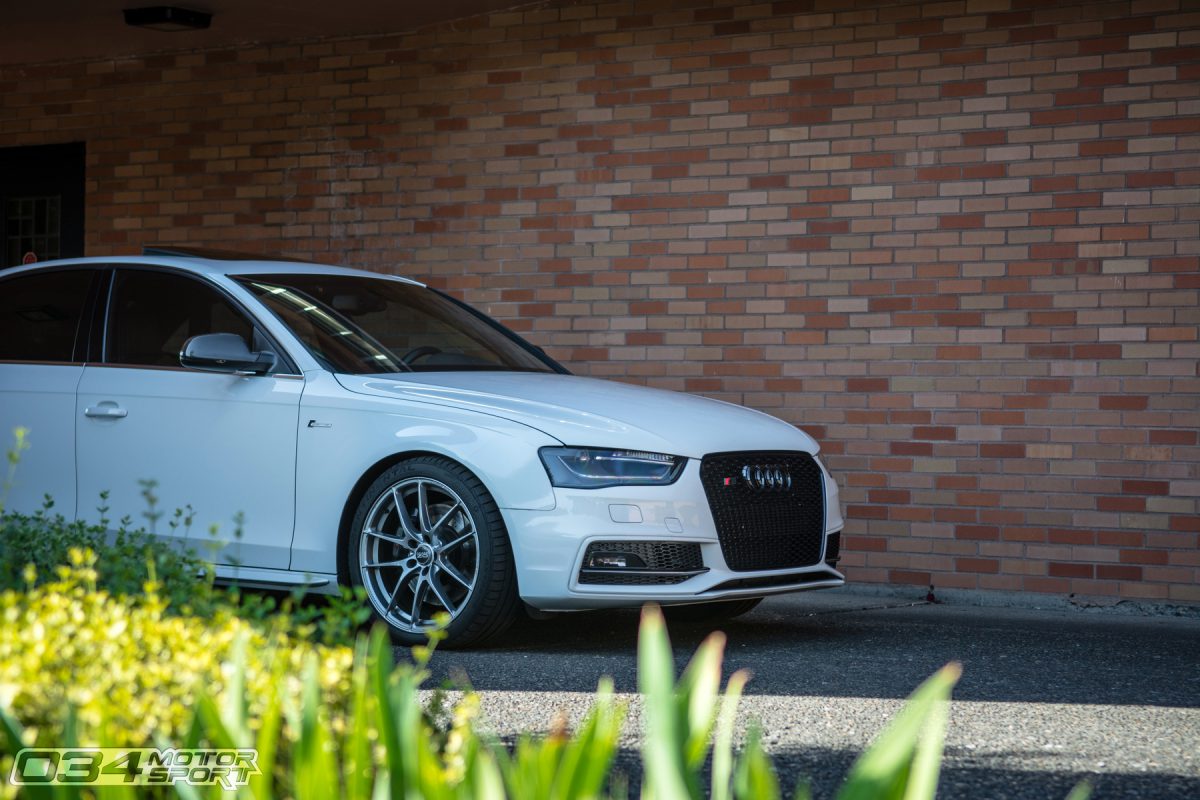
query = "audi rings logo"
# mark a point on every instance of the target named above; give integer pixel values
(767, 477)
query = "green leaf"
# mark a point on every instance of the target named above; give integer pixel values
(587, 756)
(381, 671)
(722, 762)
(755, 777)
(234, 707)
(1082, 791)
(488, 783)
(886, 770)
(359, 768)
(664, 741)
(13, 740)
(315, 770)
(69, 738)
(262, 785)
(698, 689)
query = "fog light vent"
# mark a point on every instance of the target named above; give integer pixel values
(641, 563)
(603, 560)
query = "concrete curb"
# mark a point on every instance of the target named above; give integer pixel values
(989, 599)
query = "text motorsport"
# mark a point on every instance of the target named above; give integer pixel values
(134, 766)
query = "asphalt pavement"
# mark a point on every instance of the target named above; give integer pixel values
(1047, 697)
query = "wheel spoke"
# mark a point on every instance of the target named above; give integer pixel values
(403, 579)
(423, 506)
(387, 537)
(381, 564)
(446, 604)
(438, 525)
(402, 516)
(452, 571)
(419, 593)
(443, 548)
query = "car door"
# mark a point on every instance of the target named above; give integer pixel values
(221, 448)
(42, 341)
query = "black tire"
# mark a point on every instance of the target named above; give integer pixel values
(415, 564)
(718, 611)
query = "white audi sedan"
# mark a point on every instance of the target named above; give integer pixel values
(370, 431)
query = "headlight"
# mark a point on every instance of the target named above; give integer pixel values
(595, 468)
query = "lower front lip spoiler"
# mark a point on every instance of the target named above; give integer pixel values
(772, 581)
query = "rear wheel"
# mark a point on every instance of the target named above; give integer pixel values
(427, 539)
(711, 612)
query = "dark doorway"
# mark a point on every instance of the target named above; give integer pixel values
(41, 202)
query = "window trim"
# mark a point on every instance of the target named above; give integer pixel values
(85, 312)
(538, 353)
(286, 367)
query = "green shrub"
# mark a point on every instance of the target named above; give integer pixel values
(128, 670)
(96, 669)
(33, 546)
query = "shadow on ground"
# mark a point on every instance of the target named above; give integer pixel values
(874, 652)
(963, 775)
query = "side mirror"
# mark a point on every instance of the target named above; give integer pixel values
(224, 352)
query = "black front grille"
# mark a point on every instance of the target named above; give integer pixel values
(769, 508)
(666, 563)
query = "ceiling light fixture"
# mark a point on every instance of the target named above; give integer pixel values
(167, 18)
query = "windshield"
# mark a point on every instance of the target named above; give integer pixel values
(360, 325)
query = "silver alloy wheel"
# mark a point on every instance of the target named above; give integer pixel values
(418, 553)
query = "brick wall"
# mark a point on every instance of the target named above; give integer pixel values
(958, 242)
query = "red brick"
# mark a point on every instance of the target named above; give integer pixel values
(980, 532)
(990, 450)
(985, 565)
(909, 577)
(1173, 437)
(1139, 180)
(1057, 569)
(961, 221)
(1126, 402)
(1118, 572)
(1130, 504)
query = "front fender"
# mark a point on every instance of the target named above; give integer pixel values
(341, 435)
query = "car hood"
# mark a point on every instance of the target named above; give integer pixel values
(589, 412)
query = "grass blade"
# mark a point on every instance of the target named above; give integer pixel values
(663, 744)
(755, 777)
(357, 752)
(722, 762)
(885, 769)
(698, 689)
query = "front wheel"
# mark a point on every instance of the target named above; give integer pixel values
(426, 540)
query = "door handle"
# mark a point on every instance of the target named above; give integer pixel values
(105, 411)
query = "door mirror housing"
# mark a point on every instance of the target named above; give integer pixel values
(224, 352)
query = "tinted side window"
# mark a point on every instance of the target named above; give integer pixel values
(39, 315)
(152, 314)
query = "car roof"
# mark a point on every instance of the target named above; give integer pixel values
(223, 264)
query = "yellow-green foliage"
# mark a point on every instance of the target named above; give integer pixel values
(81, 667)
(131, 671)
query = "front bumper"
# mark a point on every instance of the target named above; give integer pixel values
(549, 546)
